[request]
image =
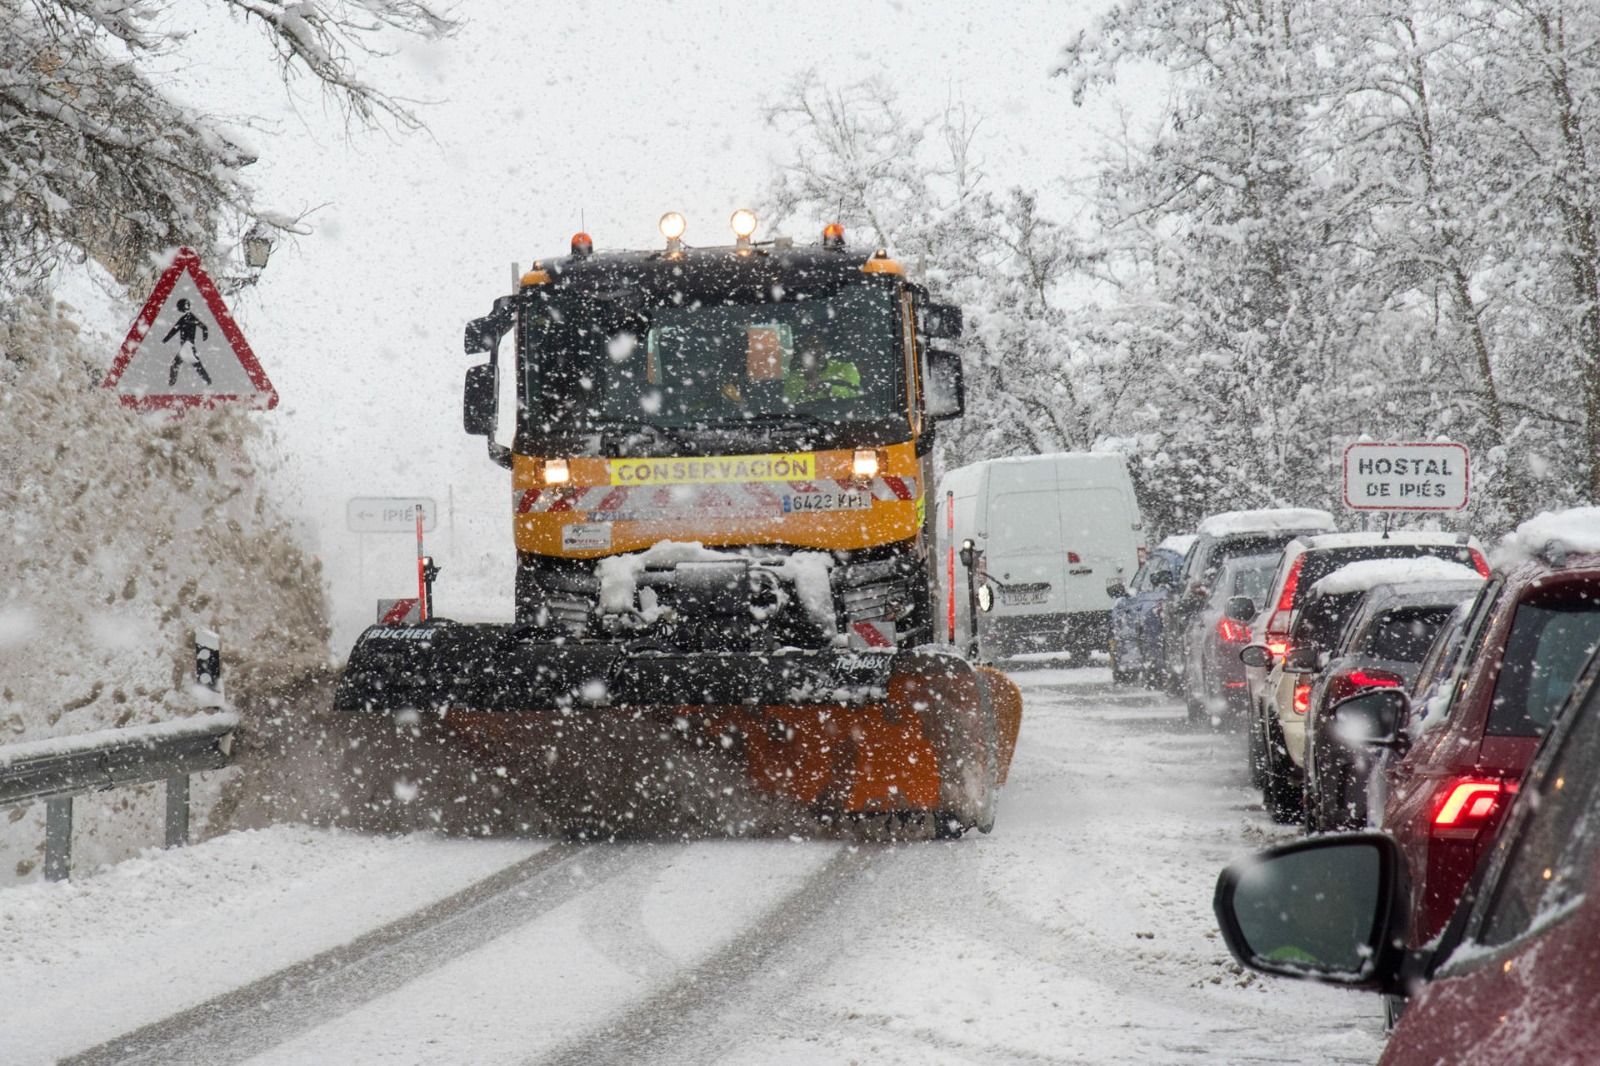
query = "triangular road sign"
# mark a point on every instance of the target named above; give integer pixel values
(185, 350)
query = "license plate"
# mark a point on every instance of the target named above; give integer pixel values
(1025, 594)
(806, 502)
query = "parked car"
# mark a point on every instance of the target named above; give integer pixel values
(1512, 978)
(1401, 607)
(1279, 699)
(1051, 535)
(1215, 685)
(1136, 616)
(1464, 749)
(1218, 539)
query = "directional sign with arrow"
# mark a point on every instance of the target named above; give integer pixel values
(389, 514)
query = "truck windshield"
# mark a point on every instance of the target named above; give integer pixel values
(615, 357)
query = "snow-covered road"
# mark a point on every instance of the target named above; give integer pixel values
(1080, 931)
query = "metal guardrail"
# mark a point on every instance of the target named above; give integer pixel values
(57, 770)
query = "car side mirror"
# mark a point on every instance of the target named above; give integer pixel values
(1372, 719)
(1116, 589)
(479, 401)
(945, 389)
(1240, 608)
(1258, 656)
(942, 321)
(1302, 660)
(1161, 579)
(1328, 908)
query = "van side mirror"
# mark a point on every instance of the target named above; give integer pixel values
(1240, 608)
(945, 388)
(1373, 719)
(479, 401)
(941, 321)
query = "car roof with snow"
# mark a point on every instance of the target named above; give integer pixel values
(1179, 543)
(1269, 520)
(1552, 537)
(1361, 539)
(1367, 574)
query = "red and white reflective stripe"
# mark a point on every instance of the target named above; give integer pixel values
(872, 634)
(753, 498)
(399, 613)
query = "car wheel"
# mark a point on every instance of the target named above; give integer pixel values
(1280, 791)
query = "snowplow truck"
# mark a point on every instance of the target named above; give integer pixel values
(719, 469)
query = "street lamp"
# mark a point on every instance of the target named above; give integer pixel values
(257, 248)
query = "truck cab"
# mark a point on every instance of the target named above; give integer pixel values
(760, 399)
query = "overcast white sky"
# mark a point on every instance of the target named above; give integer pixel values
(539, 115)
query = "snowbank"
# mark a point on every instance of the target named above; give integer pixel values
(127, 533)
(1265, 521)
(1553, 533)
(1370, 573)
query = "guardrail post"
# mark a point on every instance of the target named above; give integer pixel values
(58, 839)
(177, 811)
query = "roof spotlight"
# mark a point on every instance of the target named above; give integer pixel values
(672, 226)
(743, 222)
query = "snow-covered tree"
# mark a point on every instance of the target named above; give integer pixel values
(917, 186)
(98, 161)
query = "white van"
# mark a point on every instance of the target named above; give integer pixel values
(1050, 533)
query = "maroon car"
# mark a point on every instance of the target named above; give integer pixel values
(1512, 978)
(1466, 747)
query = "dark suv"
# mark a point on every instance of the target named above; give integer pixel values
(1220, 538)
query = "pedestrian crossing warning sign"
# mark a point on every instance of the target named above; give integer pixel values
(185, 350)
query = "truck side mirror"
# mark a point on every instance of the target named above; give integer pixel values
(945, 389)
(483, 334)
(478, 401)
(942, 321)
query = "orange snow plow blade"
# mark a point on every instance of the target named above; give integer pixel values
(922, 737)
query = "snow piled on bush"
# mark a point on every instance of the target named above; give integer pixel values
(123, 533)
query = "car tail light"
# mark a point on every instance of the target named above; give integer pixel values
(1343, 686)
(1278, 647)
(1232, 631)
(1470, 802)
(1302, 697)
(1073, 559)
(1479, 562)
(1290, 583)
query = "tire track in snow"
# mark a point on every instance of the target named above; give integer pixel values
(696, 1006)
(249, 1020)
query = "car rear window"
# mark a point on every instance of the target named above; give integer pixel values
(1404, 634)
(1320, 562)
(1264, 544)
(1323, 620)
(1552, 636)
